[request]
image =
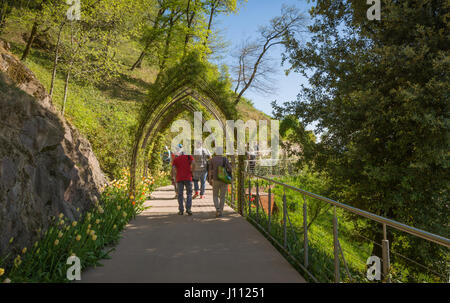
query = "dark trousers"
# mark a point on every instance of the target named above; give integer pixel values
(180, 186)
(202, 180)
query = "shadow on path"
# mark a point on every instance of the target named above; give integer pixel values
(161, 246)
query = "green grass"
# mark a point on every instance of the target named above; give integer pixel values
(320, 233)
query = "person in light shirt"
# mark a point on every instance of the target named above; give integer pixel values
(219, 188)
(200, 172)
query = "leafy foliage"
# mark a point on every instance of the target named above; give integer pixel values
(379, 95)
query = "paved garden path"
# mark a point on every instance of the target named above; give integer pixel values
(160, 246)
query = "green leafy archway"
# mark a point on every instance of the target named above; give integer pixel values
(190, 79)
(160, 126)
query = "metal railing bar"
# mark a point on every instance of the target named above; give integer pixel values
(357, 258)
(287, 252)
(397, 225)
(345, 262)
(292, 229)
(372, 241)
(315, 241)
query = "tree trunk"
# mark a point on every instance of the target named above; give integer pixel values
(211, 17)
(162, 65)
(66, 92)
(189, 20)
(252, 77)
(55, 61)
(138, 63)
(30, 41)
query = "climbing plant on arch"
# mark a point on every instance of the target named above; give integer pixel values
(150, 145)
(191, 78)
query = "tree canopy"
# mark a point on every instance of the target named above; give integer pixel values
(378, 94)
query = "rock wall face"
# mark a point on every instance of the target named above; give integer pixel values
(46, 166)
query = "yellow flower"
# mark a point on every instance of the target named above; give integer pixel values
(24, 250)
(2, 271)
(118, 207)
(56, 242)
(94, 237)
(89, 226)
(61, 222)
(88, 232)
(74, 223)
(17, 261)
(92, 232)
(124, 214)
(78, 238)
(115, 226)
(100, 210)
(61, 215)
(97, 221)
(60, 235)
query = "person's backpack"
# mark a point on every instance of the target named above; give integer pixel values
(223, 174)
(201, 161)
(166, 157)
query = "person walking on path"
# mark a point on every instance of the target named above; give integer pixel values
(252, 152)
(200, 173)
(219, 187)
(183, 165)
(174, 155)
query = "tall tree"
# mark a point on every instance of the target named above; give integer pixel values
(6, 8)
(89, 44)
(153, 31)
(252, 56)
(192, 13)
(216, 7)
(35, 11)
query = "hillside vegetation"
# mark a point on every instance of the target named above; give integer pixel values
(105, 113)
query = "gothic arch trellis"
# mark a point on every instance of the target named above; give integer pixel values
(161, 124)
(170, 95)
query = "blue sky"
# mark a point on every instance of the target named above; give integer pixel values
(244, 25)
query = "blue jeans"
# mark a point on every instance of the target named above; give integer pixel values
(202, 180)
(180, 186)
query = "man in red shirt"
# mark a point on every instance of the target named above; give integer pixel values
(183, 165)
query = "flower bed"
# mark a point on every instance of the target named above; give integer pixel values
(86, 239)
